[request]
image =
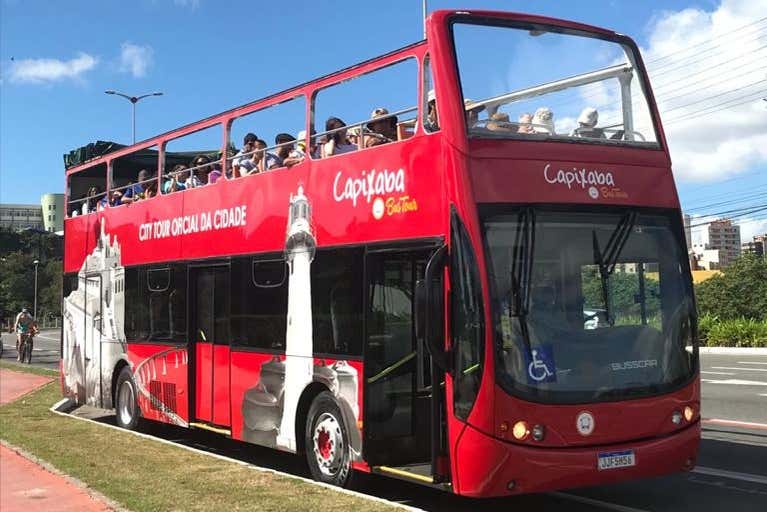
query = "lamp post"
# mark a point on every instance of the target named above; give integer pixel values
(34, 310)
(133, 100)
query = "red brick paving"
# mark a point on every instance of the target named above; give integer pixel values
(26, 486)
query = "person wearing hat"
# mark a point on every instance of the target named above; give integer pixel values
(499, 122)
(23, 325)
(472, 112)
(543, 121)
(587, 125)
(243, 161)
(432, 119)
(383, 125)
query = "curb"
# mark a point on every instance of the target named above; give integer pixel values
(743, 351)
(112, 504)
(55, 408)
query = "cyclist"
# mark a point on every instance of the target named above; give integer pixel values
(23, 326)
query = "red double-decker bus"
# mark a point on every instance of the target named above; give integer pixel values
(487, 292)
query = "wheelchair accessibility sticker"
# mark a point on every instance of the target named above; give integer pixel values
(540, 365)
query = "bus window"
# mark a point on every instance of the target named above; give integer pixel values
(193, 160)
(155, 304)
(551, 83)
(134, 177)
(337, 302)
(430, 116)
(267, 139)
(86, 190)
(376, 108)
(259, 303)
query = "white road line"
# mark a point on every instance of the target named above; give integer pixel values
(48, 338)
(741, 369)
(762, 394)
(735, 475)
(717, 373)
(735, 382)
(733, 423)
(591, 501)
(750, 362)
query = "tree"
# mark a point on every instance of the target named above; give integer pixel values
(739, 291)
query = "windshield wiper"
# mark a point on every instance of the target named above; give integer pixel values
(607, 259)
(521, 271)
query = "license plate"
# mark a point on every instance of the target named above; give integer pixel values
(614, 460)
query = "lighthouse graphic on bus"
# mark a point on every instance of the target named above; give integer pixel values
(269, 408)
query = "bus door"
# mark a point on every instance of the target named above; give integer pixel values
(397, 394)
(209, 289)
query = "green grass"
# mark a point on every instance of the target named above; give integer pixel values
(738, 332)
(142, 474)
(8, 365)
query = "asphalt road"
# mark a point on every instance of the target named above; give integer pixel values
(731, 472)
(46, 351)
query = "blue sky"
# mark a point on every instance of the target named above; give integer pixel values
(209, 56)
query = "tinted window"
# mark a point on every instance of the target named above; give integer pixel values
(467, 318)
(337, 301)
(155, 304)
(259, 294)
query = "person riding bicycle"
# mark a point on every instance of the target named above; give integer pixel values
(24, 325)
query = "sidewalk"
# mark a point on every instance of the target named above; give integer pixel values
(26, 486)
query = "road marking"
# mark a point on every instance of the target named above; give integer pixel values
(48, 338)
(741, 369)
(735, 382)
(598, 503)
(735, 475)
(717, 373)
(734, 423)
(762, 394)
(750, 362)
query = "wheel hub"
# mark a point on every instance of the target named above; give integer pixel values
(328, 444)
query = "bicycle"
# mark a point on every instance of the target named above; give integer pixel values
(25, 346)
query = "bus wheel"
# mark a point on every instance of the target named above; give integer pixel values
(126, 400)
(328, 452)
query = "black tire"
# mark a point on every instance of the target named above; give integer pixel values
(127, 411)
(28, 351)
(327, 462)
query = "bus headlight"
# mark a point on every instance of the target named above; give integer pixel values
(520, 430)
(539, 431)
(676, 417)
(689, 412)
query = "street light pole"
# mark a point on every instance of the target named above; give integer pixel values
(133, 100)
(34, 310)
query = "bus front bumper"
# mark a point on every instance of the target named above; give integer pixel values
(492, 467)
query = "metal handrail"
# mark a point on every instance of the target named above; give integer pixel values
(391, 114)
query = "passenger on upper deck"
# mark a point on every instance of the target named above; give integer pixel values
(472, 112)
(383, 125)
(525, 123)
(90, 204)
(177, 181)
(587, 125)
(432, 119)
(137, 191)
(499, 122)
(244, 159)
(199, 177)
(284, 141)
(336, 143)
(543, 121)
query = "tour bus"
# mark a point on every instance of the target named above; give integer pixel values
(494, 298)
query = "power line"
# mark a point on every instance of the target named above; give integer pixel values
(722, 106)
(708, 41)
(729, 217)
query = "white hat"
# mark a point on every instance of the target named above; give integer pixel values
(301, 135)
(589, 117)
(544, 119)
(430, 96)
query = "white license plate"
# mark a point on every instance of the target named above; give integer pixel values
(614, 460)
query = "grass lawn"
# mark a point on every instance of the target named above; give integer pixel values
(143, 475)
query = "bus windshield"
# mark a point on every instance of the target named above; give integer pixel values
(542, 83)
(590, 306)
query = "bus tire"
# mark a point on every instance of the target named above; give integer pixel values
(126, 400)
(328, 451)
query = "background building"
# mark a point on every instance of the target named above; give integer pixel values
(716, 244)
(21, 216)
(53, 212)
(756, 246)
(46, 216)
